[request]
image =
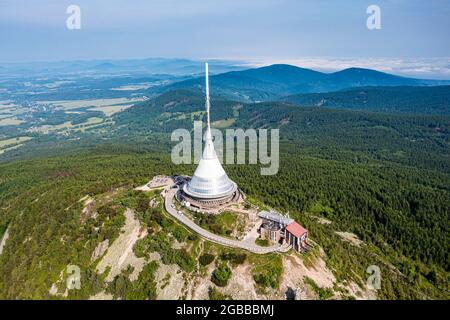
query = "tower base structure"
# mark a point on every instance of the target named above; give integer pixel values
(212, 204)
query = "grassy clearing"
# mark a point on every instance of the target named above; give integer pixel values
(262, 242)
(133, 87)
(45, 129)
(14, 141)
(75, 104)
(67, 126)
(11, 148)
(222, 124)
(221, 224)
(10, 122)
(8, 109)
(110, 110)
(267, 270)
(226, 219)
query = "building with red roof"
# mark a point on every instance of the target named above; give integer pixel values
(296, 229)
(296, 235)
(281, 229)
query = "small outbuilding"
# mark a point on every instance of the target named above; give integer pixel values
(280, 229)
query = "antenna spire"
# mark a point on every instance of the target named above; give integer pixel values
(208, 104)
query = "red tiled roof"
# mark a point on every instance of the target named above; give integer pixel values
(296, 229)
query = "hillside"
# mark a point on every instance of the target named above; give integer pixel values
(402, 99)
(50, 232)
(378, 178)
(275, 81)
(171, 110)
(407, 139)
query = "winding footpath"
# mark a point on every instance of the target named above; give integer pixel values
(168, 203)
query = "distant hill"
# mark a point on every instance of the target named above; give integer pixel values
(278, 80)
(104, 66)
(172, 110)
(403, 99)
(150, 66)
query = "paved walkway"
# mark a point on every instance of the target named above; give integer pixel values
(214, 237)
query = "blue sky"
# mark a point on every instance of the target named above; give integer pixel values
(327, 34)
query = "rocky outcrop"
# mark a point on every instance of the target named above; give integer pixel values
(100, 250)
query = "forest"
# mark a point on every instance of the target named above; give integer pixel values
(399, 99)
(383, 177)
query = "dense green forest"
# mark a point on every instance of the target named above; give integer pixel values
(402, 226)
(412, 100)
(413, 140)
(385, 178)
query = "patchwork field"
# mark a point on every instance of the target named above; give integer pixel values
(9, 142)
(11, 148)
(222, 124)
(10, 122)
(75, 104)
(66, 126)
(133, 87)
(110, 110)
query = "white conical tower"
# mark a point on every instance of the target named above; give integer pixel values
(209, 180)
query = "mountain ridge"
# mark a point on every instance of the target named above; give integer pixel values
(426, 100)
(279, 80)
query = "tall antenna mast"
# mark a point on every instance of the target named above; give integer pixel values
(208, 105)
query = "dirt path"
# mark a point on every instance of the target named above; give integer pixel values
(4, 238)
(120, 254)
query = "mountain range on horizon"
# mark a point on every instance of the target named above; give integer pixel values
(182, 66)
(351, 88)
(231, 79)
(280, 80)
(149, 66)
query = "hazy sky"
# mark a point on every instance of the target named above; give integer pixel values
(414, 33)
